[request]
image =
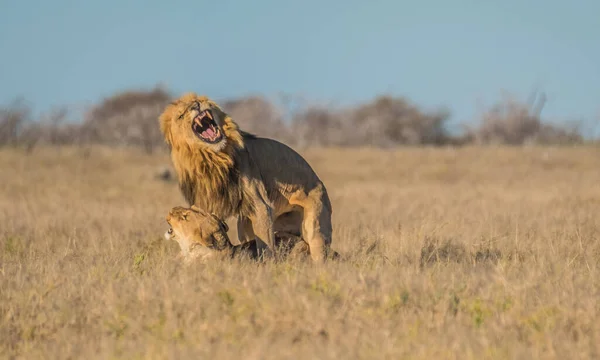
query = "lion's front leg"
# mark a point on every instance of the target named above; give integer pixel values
(259, 212)
(262, 226)
(244, 230)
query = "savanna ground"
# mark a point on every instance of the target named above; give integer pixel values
(469, 253)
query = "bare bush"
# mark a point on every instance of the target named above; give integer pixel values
(50, 129)
(13, 118)
(319, 126)
(512, 122)
(394, 121)
(384, 122)
(257, 115)
(129, 118)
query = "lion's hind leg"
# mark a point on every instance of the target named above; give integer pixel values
(316, 225)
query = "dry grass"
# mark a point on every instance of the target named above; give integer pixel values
(464, 254)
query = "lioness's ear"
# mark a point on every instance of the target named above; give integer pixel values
(184, 215)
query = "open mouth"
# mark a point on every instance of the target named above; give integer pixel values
(205, 127)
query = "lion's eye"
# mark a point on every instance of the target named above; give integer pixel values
(170, 230)
(194, 106)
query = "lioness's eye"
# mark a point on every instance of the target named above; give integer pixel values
(170, 230)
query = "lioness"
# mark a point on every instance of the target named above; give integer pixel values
(229, 172)
(202, 235)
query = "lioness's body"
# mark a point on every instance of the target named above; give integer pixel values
(231, 173)
(203, 236)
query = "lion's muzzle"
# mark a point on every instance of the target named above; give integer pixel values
(206, 128)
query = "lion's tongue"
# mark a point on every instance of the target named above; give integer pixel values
(208, 133)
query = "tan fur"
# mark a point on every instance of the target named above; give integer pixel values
(197, 232)
(256, 179)
(202, 171)
(204, 236)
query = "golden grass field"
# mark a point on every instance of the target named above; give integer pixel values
(472, 253)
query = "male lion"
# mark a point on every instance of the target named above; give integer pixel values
(229, 172)
(202, 235)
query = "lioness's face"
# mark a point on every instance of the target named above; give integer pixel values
(191, 227)
(195, 120)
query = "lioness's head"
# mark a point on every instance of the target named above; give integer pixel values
(195, 229)
(197, 122)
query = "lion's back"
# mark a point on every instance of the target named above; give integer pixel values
(280, 162)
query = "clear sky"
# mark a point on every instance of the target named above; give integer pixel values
(435, 52)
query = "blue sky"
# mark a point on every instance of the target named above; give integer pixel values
(435, 52)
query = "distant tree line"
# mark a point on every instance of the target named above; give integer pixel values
(130, 118)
